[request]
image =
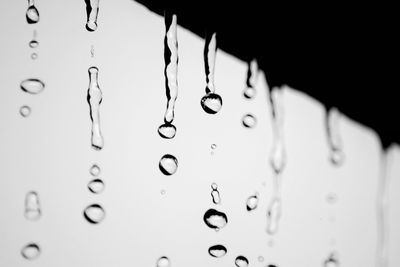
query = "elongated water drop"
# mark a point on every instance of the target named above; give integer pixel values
(249, 121)
(163, 262)
(168, 164)
(95, 170)
(241, 261)
(215, 219)
(96, 186)
(273, 215)
(92, 10)
(30, 251)
(334, 140)
(249, 92)
(252, 202)
(34, 43)
(92, 50)
(217, 251)
(32, 14)
(215, 194)
(94, 98)
(32, 206)
(25, 111)
(278, 154)
(94, 213)
(32, 86)
(331, 261)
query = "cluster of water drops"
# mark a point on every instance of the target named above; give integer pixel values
(249, 120)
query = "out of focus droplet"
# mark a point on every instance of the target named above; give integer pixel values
(168, 164)
(32, 206)
(215, 219)
(331, 261)
(96, 186)
(260, 258)
(331, 198)
(241, 261)
(217, 251)
(95, 170)
(25, 111)
(163, 262)
(31, 251)
(94, 213)
(34, 56)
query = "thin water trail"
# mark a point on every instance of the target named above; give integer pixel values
(92, 11)
(334, 139)
(94, 98)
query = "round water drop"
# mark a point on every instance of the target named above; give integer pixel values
(260, 258)
(252, 202)
(32, 15)
(167, 130)
(25, 111)
(163, 192)
(94, 213)
(213, 146)
(337, 157)
(168, 164)
(249, 92)
(33, 44)
(217, 251)
(163, 262)
(96, 186)
(95, 170)
(211, 103)
(30, 251)
(249, 121)
(32, 86)
(215, 219)
(34, 56)
(241, 261)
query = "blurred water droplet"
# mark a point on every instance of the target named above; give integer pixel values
(92, 50)
(217, 251)
(163, 262)
(249, 121)
(32, 14)
(252, 202)
(241, 261)
(336, 157)
(168, 164)
(31, 251)
(260, 258)
(92, 10)
(95, 170)
(33, 44)
(167, 130)
(215, 194)
(96, 186)
(94, 213)
(272, 265)
(34, 56)
(162, 192)
(334, 140)
(25, 111)
(331, 261)
(215, 219)
(211, 103)
(32, 206)
(331, 198)
(249, 92)
(94, 98)
(278, 153)
(273, 215)
(213, 146)
(32, 86)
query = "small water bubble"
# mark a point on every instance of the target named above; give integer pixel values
(92, 10)
(211, 103)
(215, 194)
(32, 14)
(260, 258)
(217, 251)
(33, 44)
(30, 251)
(252, 202)
(331, 261)
(167, 130)
(95, 170)
(249, 92)
(96, 186)
(34, 56)
(241, 261)
(32, 206)
(249, 121)
(215, 219)
(25, 111)
(32, 86)
(168, 164)
(163, 262)
(94, 213)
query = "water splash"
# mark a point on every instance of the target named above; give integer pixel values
(249, 121)
(215, 219)
(95, 170)
(217, 251)
(96, 186)
(252, 73)
(241, 261)
(92, 10)
(168, 164)
(252, 202)
(32, 14)
(34, 43)
(94, 98)
(30, 251)
(32, 86)
(32, 210)
(94, 213)
(168, 130)
(163, 262)
(215, 194)
(25, 111)
(334, 140)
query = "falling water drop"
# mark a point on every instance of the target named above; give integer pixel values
(260, 258)
(162, 191)
(92, 50)
(278, 154)
(168, 164)
(215, 194)
(273, 216)
(167, 130)
(94, 213)
(250, 91)
(32, 14)
(213, 146)
(241, 261)
(32, 210)
(211, 103)
(95, 170)
(217, 251)
(32, 86)
(252, 202)
(334, 140)
(249, 121)
(331, 198)
(30, 251)
(25, 111)
(34, 43)
(331, 261)
(94, 98)
(92, 10)
(163, 262)
(96, 186)
(215, 219)
(34, 56)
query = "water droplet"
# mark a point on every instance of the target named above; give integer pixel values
(336, 157)
(278, 154)
(241, 261)
(31, 251)
(95, 170)
(331, 198)
(213, 146)
(334, 140)
(211, 103)
(260, 258)
(25, 111)
(32, 86)
(92, 10)
(272, 265)
(94, 98)
(32, 206)
(249, 121)
(94, 213)
(273, 215)
(217, 251)
(32, 14)
(168, 164)
(163, 262)
(252, 202)
(249, 92)
(162, 192)
(215, 219)
(34, 56)
(33, 44)
(331, 261)
(167, 131)
(215, 194)
(96, 186)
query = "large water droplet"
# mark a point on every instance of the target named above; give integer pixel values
(211, 103)
(30, 251)
(96, 186)
(95, 170)
(94, 98)
(32, 86)
(241, 261)
(94, 213)
(331, 261)
(167, 130)
(32, 206)
(92, 10)
(273, 215)
(215, 194)
(252, 202)
(163, 262)
(249, 121)
(25, 111)
(215, 219)
(217, 251)
(32, 14)
(168, 164)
